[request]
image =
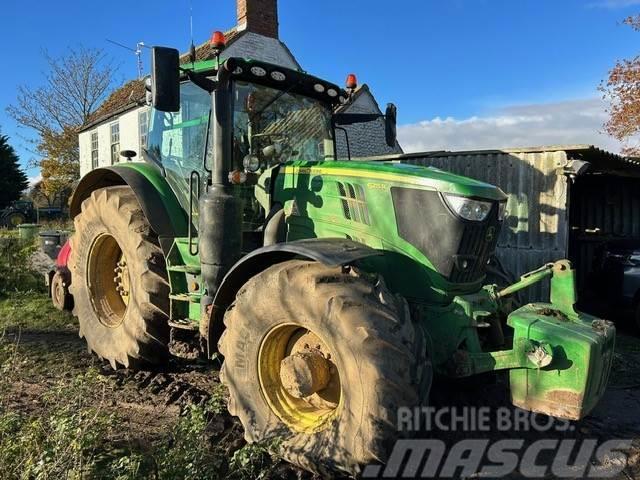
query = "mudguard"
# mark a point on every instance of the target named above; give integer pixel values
(157, 200)
(332, 252)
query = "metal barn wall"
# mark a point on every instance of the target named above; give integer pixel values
(603, 208)
(535, 229)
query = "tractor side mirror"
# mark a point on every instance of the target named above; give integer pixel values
(165, 79)
(390, 128)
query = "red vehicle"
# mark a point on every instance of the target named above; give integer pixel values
(59, 279)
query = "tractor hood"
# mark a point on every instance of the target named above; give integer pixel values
(401, 174)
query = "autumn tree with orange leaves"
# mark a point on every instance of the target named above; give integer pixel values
(622, 91)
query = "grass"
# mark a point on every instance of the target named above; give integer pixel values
(65, 438)
(71, 427)
(33, 311)
(60, 416)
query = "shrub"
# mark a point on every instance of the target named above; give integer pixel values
(15, 267)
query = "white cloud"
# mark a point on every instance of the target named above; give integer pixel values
(568, 122)
(34, 180)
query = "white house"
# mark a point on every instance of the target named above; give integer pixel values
(121, 123)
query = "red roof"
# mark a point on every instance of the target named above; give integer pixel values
(132, 93)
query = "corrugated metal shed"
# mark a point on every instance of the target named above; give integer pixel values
(537, 227)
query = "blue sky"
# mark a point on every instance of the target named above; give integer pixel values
(463, 73)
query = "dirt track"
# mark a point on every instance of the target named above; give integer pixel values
(152, 401)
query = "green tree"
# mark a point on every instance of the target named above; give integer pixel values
(13, 180)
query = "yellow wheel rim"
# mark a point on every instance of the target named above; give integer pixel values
(312, 410)
(108, 280)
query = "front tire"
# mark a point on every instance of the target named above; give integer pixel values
(318, 361)
(60, 296)
(120, 288)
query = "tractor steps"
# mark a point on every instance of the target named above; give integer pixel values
(184, 324)
(186, 297)
(184, 272)
(191, 269)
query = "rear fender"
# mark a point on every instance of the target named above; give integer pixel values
(157, 200)
(332, 252)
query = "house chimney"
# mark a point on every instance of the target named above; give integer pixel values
(258, 16)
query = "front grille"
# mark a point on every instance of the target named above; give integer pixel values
(477, 244)
(458, 249)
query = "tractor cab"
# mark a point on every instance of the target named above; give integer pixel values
(246, 117)
(266, 116)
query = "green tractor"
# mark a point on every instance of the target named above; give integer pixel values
(335, 290)
(16, 213)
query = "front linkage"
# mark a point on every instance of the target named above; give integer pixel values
(559, 359)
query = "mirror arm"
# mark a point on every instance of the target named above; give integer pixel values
(200, 80)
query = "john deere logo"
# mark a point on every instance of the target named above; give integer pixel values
(491, 232)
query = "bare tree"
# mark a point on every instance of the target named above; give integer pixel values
(622, 90)
(75, 85)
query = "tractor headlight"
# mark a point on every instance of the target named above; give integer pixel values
(467, 208)
(251, 163)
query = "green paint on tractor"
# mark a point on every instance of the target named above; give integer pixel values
(260, 188)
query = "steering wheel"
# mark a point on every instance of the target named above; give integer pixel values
(286, 150)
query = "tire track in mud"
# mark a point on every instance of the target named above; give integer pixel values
(179, 384)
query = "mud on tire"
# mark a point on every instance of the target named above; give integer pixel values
(379, 354)
(134, 333)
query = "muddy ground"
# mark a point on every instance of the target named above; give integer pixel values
(151, 402)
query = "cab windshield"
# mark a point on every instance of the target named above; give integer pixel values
(271, 126)
(274, 126)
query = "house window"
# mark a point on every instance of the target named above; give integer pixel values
(94, 150)
(143, 128)
(115, 142)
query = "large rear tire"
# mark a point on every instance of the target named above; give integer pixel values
(318, 361)
(14, 219)
(120, 288)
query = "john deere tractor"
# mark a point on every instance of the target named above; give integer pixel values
(335, 290)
